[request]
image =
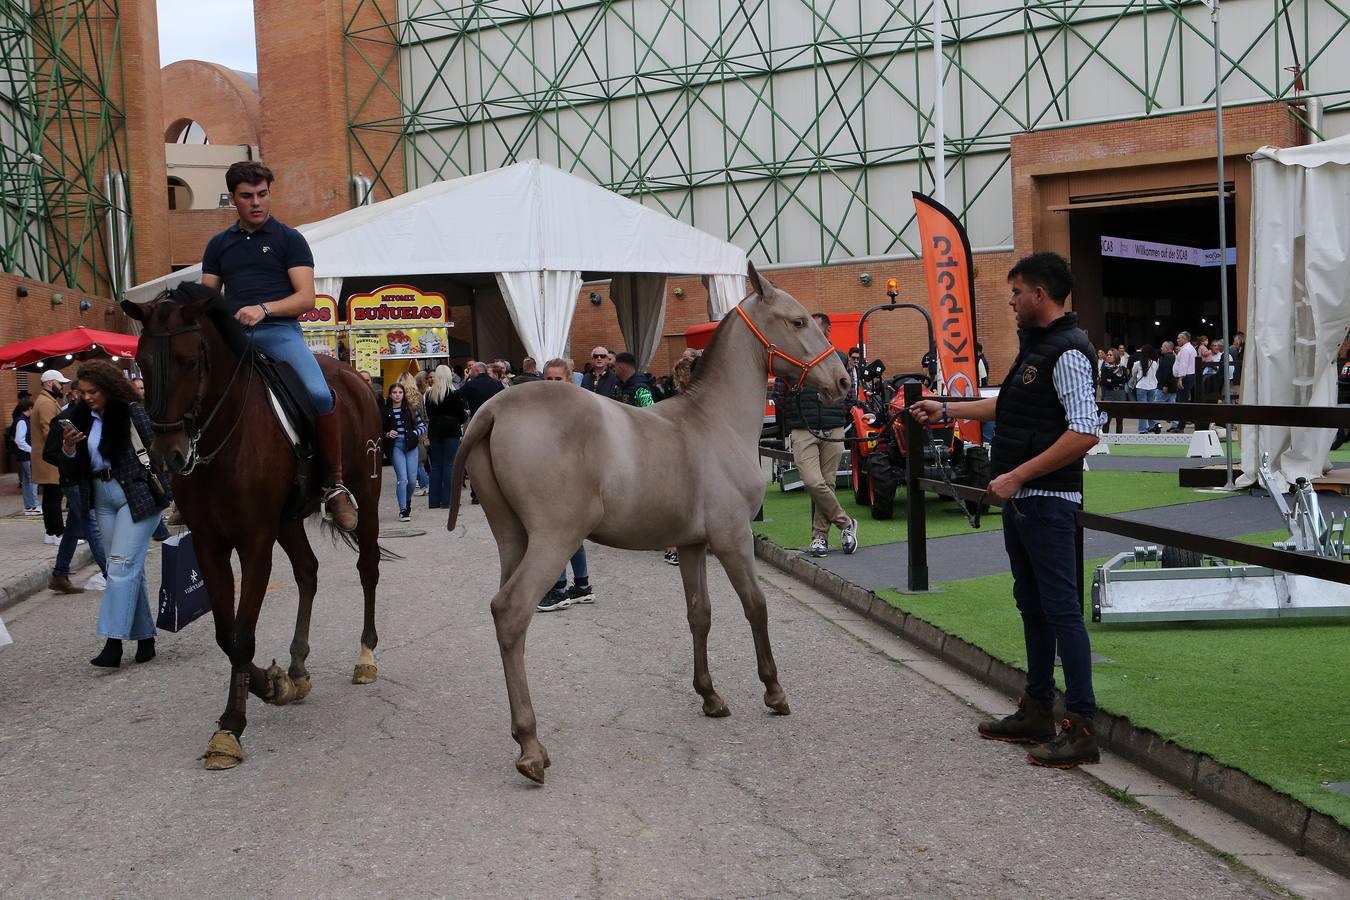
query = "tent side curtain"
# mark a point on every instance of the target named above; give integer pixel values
(640, 301)
(724, 292)
(1297, 311)
(329, 287)
(541, 304)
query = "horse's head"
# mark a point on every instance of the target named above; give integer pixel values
(172, 356)
(799, 352)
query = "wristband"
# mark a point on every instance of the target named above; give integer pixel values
(267, 314)
(945, 416)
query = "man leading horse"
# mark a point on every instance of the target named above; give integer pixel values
(266, 270)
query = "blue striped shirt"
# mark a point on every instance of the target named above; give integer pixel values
(1073, 384)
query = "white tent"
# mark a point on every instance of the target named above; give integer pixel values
(1298, 299)
(537, 229)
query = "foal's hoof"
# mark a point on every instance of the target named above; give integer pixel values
(302, 687)
(715, 707)
(365, 673)
(223, 752)
(280, 689)
(777, 701)
(533, 767)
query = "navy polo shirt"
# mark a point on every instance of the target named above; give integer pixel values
(253, 266)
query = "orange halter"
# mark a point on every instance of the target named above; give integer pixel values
(774, 351)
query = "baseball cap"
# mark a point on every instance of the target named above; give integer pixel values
(52, 375)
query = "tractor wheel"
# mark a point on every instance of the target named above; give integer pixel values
(1176, 558)
(884, 478)
(862, 482)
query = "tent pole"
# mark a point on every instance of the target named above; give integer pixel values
(939, 127)
(1223, 244)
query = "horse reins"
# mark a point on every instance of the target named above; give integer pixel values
(159, 370)
(775, 352)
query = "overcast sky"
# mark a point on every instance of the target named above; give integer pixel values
(218, 31)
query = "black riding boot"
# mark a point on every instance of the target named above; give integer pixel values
(337, 499)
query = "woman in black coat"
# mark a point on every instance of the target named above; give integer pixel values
(446, 414)
(99, 453)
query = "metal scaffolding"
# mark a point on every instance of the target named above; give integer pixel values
(797, 129)
(64, 212)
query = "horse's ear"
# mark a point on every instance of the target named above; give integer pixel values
(135, 310)
(758, 284)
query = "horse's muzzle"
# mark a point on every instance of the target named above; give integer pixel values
(172, 459)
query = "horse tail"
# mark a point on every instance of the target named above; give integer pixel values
(480, 427)
(352, 541)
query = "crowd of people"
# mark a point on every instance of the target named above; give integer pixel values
(1187, 370)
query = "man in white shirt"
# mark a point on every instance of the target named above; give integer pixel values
(1184, 372)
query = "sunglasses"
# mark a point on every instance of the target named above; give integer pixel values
(554, 378)
(599, 356)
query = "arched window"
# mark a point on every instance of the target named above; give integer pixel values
(185, 131)
(180, 195)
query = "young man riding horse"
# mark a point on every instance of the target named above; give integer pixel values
(266, 270)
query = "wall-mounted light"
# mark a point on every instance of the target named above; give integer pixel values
(70, 356)
(116, 358)
(679, 293)
(1156, 323)
(39, 364)
(865, 278)
(58, 299)
(109, 312)
(21, 292)
(85, 306)
(595, 299)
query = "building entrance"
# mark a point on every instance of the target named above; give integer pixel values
(1143, 273)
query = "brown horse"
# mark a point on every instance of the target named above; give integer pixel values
(553, 465)
(235, 485)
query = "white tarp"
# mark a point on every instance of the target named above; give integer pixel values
(1298, 299)
(541, 306)
(526, 218)
(639, 302)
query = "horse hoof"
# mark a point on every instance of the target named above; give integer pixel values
(533, 769)
(364, 674)
(223, 752)
(780, 705)
(715, 707)
(281, 689)
(302, 687)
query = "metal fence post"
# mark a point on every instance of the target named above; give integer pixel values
(914, 495)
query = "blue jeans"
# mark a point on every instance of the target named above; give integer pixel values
(125, 613)
(442, 452)
(405, 468)
(79, 524)
(30, 497)
(282, 340)
(1148, 396)
(579, 573)
(1039, 535)
(423, 477)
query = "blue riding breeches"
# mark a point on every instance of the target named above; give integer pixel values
(282, 340)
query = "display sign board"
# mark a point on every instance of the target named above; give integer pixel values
(1151, 251)
(325, 312)
(397, 305)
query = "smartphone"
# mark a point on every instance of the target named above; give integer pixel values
(68, 425)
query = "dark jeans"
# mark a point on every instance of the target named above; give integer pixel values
(579, 571)
(442, 452)
(79, 524)
(51, 509)
(1184, 394)
(1039, 535)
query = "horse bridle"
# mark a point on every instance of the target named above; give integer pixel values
(158, 399)
(769, 345)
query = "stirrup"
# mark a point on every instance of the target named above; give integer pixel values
(338, 490)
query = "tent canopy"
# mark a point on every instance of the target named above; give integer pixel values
(1298, 307)
(536, 225)
(76, 340)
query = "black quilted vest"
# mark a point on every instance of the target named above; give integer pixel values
(1029, 417)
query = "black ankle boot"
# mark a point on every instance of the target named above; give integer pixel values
(111, 655)
(145, 650)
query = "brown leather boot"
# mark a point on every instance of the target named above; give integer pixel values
(338, 501)
(61, 584)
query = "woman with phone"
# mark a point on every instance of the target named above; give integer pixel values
(99, 451)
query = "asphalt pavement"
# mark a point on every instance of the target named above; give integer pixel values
(874, 786)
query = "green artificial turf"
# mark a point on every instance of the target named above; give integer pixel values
(787, 516)
(1178, 451)
(1267, 697)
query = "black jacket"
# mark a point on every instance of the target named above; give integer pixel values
(445, 419)
(604, 385)
(525, 378)
(627, 391)
(1029, 417)
(479, 390)
(412, 422)
(804, 409)
(1167, 381)
(115, 446)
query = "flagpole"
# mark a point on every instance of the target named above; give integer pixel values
(1223, 242)
(939, 143)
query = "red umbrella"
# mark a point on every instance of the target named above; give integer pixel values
(77, 340)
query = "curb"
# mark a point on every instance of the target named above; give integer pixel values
(1278, 815)
(23, 586)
